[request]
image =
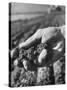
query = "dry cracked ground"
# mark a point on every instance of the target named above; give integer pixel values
(52, 72)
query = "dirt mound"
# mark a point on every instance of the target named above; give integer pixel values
(35, 75)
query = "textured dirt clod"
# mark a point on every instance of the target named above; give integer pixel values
(59, 71)
(44, 77)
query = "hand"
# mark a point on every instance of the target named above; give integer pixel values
(14, 52)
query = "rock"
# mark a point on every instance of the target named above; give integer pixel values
(59, 71)
(28, 78)
(26, 64)
(16, 62)
(14, 77)
(45, 76)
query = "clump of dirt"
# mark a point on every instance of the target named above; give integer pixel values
(35, 75)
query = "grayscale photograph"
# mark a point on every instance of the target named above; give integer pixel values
(36, 44)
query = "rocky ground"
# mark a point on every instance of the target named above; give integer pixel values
(51, 74)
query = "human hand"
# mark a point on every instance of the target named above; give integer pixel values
(14, 52)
